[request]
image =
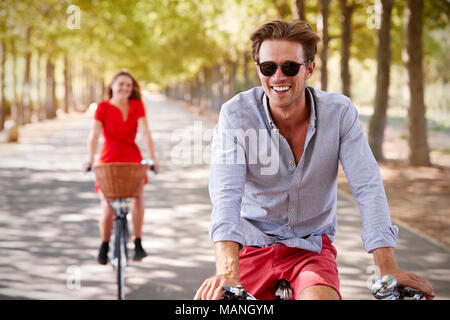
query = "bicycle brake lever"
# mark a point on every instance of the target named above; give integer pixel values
(407, 292)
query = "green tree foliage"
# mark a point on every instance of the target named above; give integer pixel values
(168, 41)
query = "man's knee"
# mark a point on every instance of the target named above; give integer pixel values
(318, 292)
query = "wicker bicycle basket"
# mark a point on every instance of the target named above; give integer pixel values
(120, 180)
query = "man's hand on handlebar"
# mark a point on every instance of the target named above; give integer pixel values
(212, 288)
(389, 288)
(411, 280)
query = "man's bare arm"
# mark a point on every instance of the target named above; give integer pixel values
(227, 271)
(227, 259)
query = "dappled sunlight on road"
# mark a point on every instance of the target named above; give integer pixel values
(352, 260)
(355, 266)
(49, 222)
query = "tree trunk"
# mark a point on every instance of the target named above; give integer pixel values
(2, 88)
(413, 55)
(16, 109)
(207, 88)
(214, 86)
(78, 88)
(92, 86)
(40, 107)
(346, 37)
(68, 94)
(200, 88)
(233, 79)
(50, 102)
(298, 9)
(322, 26)
(219, 71)
(203, 96)
(26, 90)
(103, 86)
(100, 86)
(88, 86)
(87, 90)
(378, 120)
(246, 71)
(192, 90)
(182, 88)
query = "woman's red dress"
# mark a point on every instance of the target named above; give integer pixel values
(119, 134)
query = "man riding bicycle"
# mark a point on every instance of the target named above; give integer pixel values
(273, 183)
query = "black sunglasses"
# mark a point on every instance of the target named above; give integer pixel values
(289, 68)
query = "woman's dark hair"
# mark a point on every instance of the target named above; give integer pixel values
(135, 92)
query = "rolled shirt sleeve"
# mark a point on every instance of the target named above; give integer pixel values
(227, 182)
(364, 177)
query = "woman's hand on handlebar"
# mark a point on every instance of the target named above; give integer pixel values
(87, 166)
(156, 165)
(152, 163)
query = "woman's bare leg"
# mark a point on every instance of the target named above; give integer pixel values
(137, 211)
(107, 220)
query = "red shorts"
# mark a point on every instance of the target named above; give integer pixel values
(261, 268)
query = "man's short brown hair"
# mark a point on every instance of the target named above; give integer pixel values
(296, 31)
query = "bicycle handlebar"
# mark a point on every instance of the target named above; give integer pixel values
(386, 289)
(149, 162)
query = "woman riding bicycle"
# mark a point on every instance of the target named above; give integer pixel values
(118, 118)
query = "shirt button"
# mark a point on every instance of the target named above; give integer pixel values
(291, 210)
(291, 162)
(288, 227)
(293, 189)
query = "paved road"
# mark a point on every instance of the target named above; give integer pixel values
(49, 216)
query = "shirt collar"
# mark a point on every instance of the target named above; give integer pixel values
(312, 119)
